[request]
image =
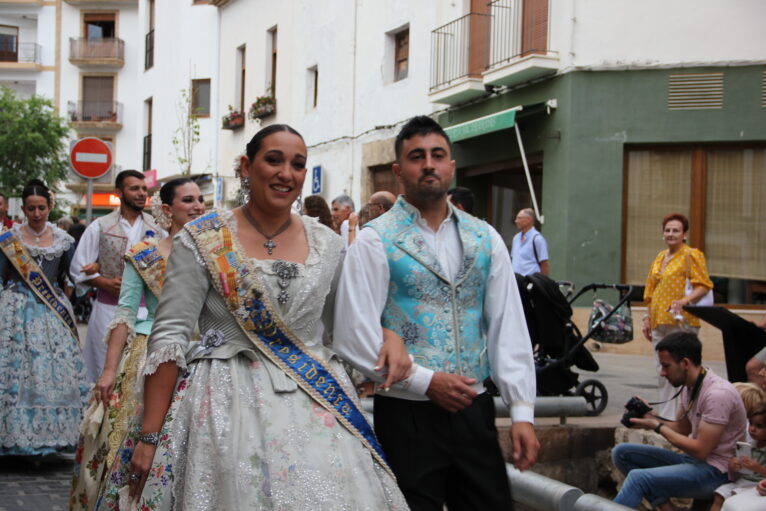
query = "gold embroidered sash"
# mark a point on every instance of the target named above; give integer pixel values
(35, 279)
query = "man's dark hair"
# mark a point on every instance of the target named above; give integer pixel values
(122, 176)
(681, 345)
(2, 196)
(419, 125)
(463, 196)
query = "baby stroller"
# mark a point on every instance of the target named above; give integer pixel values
(558, 343)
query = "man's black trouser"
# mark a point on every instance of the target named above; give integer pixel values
(441, 457)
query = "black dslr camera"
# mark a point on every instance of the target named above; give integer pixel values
(635, 409)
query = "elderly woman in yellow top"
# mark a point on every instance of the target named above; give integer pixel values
(665, 293)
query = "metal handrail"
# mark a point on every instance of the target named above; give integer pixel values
(94, 111)
(545, 494)
(22, 53)
(100, 48)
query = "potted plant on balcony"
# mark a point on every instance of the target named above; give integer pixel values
(233, 120)
(263, 106)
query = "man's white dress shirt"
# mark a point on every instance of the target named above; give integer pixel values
(361, 299)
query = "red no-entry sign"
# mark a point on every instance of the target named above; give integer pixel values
(90, 158)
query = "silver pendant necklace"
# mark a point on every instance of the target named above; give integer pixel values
(269, 243)
(37, 235)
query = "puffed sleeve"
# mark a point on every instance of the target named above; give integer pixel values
(131, 290)
(649, 288)
(698, 275)
(183, 296)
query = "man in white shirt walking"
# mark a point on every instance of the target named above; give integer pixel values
(105, 241)
(529, 250)
(442, 280)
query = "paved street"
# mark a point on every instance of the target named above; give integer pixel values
(29, 486)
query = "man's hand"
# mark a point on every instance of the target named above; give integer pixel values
(111, 286)
(762, 487)
(525, 445)
(90, 269)
(451, 391)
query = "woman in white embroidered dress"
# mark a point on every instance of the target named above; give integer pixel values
(43, 387)
(233, 430)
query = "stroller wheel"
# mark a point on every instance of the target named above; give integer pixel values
(595, 396)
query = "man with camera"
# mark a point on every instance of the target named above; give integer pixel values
(710, 420)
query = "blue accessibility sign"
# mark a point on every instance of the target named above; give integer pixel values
(316, 179)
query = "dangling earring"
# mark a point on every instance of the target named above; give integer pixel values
(163, 219)
(299, 202)
(243, 195)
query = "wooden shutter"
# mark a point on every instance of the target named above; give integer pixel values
(534, 27)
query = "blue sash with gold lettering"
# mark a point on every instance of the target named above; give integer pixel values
(251, 308)
(149, 264)
(35, 279)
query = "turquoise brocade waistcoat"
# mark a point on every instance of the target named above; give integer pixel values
(440, 320)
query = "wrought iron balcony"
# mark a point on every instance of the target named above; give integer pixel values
(506, 46)
(109, 52)
(459, 50)
(95, 115)
(20, 53)
(519, 42)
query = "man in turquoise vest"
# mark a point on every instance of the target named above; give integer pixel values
(442, 280)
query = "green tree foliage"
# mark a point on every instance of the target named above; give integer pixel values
(33, 142)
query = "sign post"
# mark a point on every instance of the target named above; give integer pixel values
(90, 158)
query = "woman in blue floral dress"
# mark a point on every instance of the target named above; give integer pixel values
(43, 386)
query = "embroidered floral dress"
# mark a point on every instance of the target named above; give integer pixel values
(104, 429)
(43, 386)
(239, 433)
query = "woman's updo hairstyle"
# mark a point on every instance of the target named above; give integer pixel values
(255, 143)
(168, 190)
(37, 188)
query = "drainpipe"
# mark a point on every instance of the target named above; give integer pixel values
(353, 104)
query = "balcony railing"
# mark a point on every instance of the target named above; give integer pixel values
(477, 42)
(518, 28)
(459, 49)
(149, 50)
(82, 48)
(95, 111)
(147, 152)
(22, 53)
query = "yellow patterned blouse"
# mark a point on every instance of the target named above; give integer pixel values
(663, 286)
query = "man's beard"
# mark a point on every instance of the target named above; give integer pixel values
(132, 205)
(424, 194)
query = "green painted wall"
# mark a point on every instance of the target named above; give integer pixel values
(583, 143)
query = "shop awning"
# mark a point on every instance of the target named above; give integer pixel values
(495, 122)
(483, 125)
(501, 121)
